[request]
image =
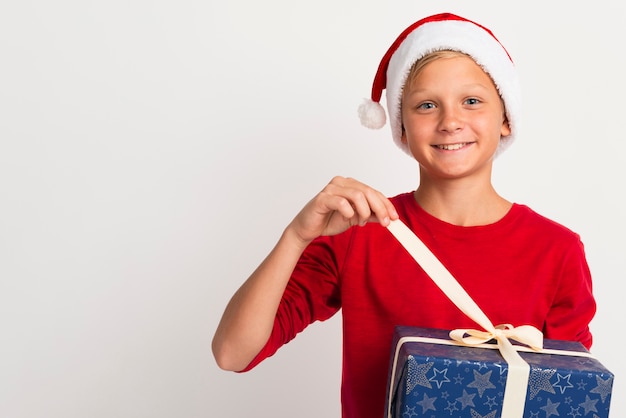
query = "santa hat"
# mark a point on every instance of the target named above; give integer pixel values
(443, 31)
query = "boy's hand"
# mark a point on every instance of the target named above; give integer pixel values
(344, 202)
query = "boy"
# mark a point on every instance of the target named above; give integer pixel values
(453, 103)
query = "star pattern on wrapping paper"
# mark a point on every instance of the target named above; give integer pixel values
(551, 408)
(416, 374)
(540, 380)
(409, 412)
(451, 407)
(574, 412)
(482, 365)
(589, 405)
(427, 373)
(475, 414)
(466, 399)
(439, 377)
(603, 387)
(427, 404)
(481, 382)
(503, 368)
(563, 382)
(491, 402)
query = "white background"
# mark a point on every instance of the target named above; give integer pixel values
(151, 152)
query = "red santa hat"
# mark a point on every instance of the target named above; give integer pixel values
(443, 31)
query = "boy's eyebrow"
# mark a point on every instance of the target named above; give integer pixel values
(410, 91)
(481, 86)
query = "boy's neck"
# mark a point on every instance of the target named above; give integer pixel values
(462, 204)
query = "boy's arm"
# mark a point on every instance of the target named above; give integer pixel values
(249, 316)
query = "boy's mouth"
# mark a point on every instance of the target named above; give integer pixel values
(452, 147)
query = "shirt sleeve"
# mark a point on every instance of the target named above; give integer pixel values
(312, 294)
(574, 305)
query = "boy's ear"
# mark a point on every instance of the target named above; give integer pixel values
(505, 130)
(403, 137)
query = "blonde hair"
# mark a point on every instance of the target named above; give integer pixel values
(419, 65)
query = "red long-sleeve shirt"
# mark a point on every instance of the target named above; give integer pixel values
(523, 269)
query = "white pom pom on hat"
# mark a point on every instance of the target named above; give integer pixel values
(372, 114)
(444, 31)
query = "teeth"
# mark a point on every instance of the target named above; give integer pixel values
(451, 147)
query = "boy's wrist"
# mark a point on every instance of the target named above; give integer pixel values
(293, 239)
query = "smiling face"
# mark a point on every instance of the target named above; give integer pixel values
(453, 117)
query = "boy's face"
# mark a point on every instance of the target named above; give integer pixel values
(453, 118)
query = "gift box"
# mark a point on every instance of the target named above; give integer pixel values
(432, 376)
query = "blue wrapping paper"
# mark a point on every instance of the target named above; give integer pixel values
(435, 380)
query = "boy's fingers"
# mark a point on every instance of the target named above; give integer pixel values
(361, 203)
(380, 209)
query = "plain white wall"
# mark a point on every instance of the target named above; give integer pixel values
(151, 153)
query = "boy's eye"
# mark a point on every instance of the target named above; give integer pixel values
(472, 101)
(426, 106)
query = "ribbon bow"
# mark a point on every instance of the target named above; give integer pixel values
(525, 334)
(519, 370)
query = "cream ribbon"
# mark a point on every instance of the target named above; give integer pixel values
(519, 370)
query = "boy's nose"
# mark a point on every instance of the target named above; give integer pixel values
(451, 120)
